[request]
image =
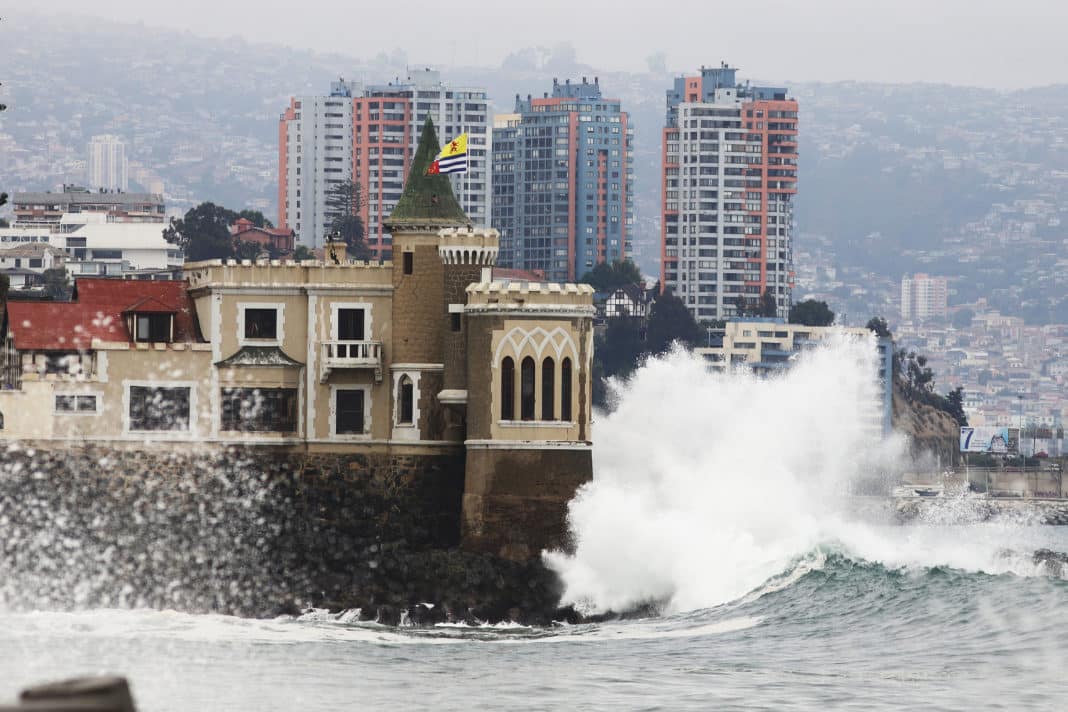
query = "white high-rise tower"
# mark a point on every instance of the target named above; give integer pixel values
(107, 164)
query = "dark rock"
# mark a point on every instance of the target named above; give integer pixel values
(425, 616)
(388, 615)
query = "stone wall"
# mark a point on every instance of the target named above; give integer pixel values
(418, 301)
(515, 501)
(255, 532)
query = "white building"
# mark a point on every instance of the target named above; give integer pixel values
(315, 153)
(923, 297)
(96, 246)
(107, 166)
(729, 181)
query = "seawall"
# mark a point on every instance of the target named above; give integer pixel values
(251, 531)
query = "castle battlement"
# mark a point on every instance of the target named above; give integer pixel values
(468, 246)
(275, 273)
(515, 296)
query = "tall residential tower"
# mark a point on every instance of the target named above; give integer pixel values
(563, 181)
(107, 166)
(729, 180)
(369, 135)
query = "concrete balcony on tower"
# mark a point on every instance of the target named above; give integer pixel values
(339, 355)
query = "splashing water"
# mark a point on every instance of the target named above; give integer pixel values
(708, 485)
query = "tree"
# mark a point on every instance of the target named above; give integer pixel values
(204, 232)
(610, 276)
(811, 313)
(5, 287)
(955, 400)
(343, 210)
(302, 253)
(255, 217)
(768, 305)
(621, 346)
(248, 250)
(56, 284)
(879, 326)
(671, 321)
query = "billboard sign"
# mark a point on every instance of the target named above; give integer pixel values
(992, 440)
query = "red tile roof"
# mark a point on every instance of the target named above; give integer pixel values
(96, 312)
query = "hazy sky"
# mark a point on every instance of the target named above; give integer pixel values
(996, 43)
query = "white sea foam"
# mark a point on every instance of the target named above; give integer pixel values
(706, 486)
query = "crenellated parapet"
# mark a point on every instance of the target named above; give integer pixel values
(274, 273)
(468, 246)
(528, 297)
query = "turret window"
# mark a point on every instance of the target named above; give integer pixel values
(548, 389)
(508, 389)
(527, 389)
(565, 390)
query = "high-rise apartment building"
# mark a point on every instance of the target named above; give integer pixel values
(729, 180)
(563, 181)
(369, 135)
(107, 165)
(314, 155)
(923, 297)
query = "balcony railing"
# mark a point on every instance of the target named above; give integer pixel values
(351, 355)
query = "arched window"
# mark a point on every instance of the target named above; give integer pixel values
(508, 389)
(565, 390)
(548, 389)
(406, 398)
(526, 390)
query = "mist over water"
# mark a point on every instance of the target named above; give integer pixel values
(708, 485)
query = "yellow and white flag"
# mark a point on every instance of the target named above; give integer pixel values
(452, 159)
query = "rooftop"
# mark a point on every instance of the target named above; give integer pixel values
(95, 312)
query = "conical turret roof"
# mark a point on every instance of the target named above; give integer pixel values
(427, 200)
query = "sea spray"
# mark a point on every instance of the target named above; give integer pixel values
(708, 484)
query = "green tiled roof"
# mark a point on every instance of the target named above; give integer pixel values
(427, 199)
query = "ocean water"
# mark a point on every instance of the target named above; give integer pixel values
(723, 503)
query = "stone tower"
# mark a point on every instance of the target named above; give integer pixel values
(504, 369)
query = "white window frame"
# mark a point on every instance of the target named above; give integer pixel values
(187, 434)
(406, 431)
(367, 405)
(74, 394)
(280, 331)
(368, 322)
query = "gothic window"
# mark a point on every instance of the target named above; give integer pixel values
(406, 395)
(548, 389)
(526, 389)
(565, 390)
(508, 389)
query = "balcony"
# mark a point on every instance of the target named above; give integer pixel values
(337, 355)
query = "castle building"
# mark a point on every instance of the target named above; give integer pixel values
(417, 357)
(563, 181)
(729, 181)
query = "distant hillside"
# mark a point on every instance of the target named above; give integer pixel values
(895, 177)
